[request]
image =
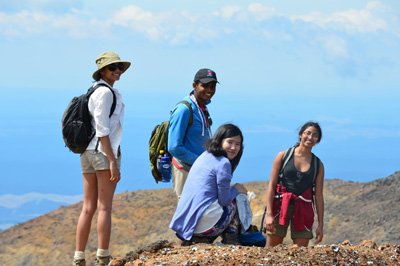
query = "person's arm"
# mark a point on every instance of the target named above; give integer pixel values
(273, 180)
(178, 124)
(319, 203)
(226, 193)
(114, 169)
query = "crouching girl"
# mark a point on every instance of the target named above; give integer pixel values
(207, 207)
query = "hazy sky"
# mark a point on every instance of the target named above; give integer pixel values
(280, 63)
(334, 47)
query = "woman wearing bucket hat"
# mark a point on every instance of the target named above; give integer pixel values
(100, 162)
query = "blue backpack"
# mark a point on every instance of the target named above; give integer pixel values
(252, 237)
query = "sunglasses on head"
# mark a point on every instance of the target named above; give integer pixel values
(114, 67)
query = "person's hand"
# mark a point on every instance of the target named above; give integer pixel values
(240, 188)
(115, 173)
(319, 234)
(269, 223)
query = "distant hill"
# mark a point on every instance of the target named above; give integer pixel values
(353, 211)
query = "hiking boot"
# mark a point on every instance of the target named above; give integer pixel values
(185, 243)
(103, 261)
(202, 239)
(198, 240)
(79, 263)
(230, 239)
(252, 228)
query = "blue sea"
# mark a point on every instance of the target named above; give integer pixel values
(361, 138)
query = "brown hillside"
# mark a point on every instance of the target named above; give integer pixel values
(354, 211)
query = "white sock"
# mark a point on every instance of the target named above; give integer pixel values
(102, 252)
(79, 255)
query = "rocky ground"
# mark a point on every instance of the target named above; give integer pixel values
(167, 253)
(354, 211)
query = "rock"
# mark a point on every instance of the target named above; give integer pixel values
(369, 244)
(216, 254)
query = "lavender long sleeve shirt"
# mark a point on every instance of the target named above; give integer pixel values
(209, 180)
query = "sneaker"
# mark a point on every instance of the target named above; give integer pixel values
(79, 263)
(252, 228)
(198, 240)
(185, 243)
(203, 239)
(230, 239)
(103, 261)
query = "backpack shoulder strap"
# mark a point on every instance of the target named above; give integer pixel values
(191, 114)
(316, 163)
(286, 157)
(114, 104)
(190, 109)
(93, 88)
(287, 154)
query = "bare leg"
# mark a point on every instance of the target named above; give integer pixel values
(88, 210)
(301, 242)
(273, 240)
(106, 190)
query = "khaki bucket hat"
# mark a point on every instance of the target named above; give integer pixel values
(108, 58)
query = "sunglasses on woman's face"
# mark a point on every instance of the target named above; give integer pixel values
(114, 67)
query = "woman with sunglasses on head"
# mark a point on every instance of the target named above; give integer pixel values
(100, 162)
(293, 191)
(207, 207)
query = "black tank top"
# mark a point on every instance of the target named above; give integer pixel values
(296, 181)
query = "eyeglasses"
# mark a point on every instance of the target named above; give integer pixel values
(114, 67)
(314, 135)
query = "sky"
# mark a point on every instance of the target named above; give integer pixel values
(279, 63)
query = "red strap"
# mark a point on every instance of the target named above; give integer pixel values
(176, 163)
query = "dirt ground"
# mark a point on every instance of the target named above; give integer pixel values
(167, 253)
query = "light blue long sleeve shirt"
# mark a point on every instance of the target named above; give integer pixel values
(184, 145)
(209, 180)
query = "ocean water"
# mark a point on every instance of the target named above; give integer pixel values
(360, 138)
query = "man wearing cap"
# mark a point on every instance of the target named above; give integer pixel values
(186, 143)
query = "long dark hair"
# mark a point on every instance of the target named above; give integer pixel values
(214, 145)
(310, 124)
